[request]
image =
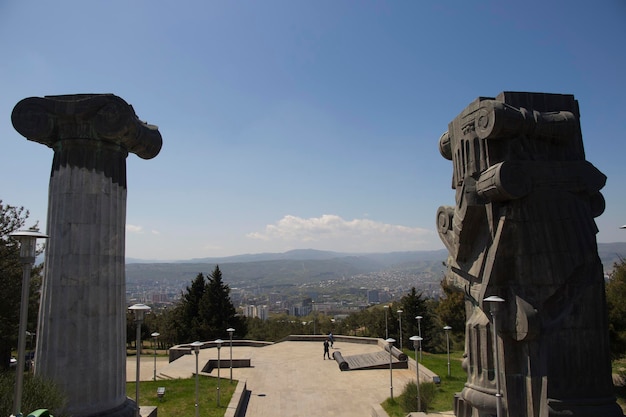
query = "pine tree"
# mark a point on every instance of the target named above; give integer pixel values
(413, 304)
(11, 219)
(451, 311)
(190, 310)
(216, 309)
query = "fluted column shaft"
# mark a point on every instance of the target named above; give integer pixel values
(82, 319)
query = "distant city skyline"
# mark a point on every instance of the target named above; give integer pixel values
(295, 125)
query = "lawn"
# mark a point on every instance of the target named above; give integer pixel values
(180, 396)
(450, 385)
(444, 397)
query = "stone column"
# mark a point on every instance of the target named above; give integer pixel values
(82, 320)
(523, 229)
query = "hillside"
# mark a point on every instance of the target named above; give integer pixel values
(310, 266)
(289, 268)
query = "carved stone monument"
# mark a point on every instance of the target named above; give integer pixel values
(81, 337)
(523, 229)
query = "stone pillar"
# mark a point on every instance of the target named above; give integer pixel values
(523, 229)
(81, 337)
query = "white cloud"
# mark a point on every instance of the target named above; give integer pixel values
(155, 232)
(131, 228)
(331, 232)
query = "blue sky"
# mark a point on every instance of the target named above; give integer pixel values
(304, 124)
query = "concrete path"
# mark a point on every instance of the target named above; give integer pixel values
(292, 378)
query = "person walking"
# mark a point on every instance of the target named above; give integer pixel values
(326, 352)
(331, 339)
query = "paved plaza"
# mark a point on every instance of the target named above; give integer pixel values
(292, 379)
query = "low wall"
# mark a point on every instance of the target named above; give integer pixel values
(236, 406)
(177, 351)
(225, 364)
(426, 375)
(322, 337)
(378, 411)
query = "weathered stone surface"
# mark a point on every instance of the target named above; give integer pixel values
(82, 320)
(523, 229)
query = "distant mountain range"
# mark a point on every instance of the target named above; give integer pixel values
(288, 268)
(304, 254)
(308, 265)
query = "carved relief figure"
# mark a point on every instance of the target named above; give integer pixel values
(523, 229)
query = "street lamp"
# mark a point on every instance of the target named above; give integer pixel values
(390, 342)
(447, 329)
(196, 347)
(230, 331)
(28, 252)
(155, 335)
(417, 342)
(218, 342)
(31, 336)
(386, 326)
(419, 333)
(400, 320)
(494, 303)
(139, 310)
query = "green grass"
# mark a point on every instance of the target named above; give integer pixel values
(180, 396)
(450, 385)
(438, 363)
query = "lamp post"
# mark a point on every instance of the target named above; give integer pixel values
(400, 320)
(390, 342)
(28, 252)
(386, 326)
(155, 335)
(494, 304)
(139, 310)
(196, 347)
(417, 342)
(31, 336)
(419, 333)
(218, 342)
(447, 329)
(230, 331)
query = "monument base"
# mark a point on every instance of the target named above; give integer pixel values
(127, 409)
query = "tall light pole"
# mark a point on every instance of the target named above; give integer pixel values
(494, 303)
(139, 310)
(386, 326)
(230, 331)
(28, 252)
(196, 347)
(417, 342)
(390, 343)
(419, 333)
(218, 342)
(400, 320)
(155, 335)
(447, 329)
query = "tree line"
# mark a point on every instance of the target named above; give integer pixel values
(204, 313)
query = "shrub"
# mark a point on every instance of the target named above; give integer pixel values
(408, 398)
(37, 393)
